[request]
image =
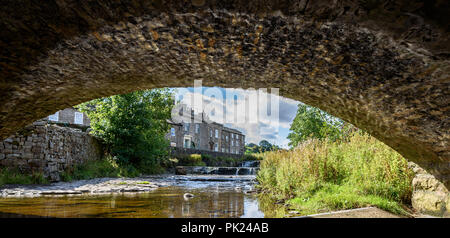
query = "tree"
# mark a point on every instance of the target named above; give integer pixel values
(133, 125)
(251, 148)
(263, 146)
(311, 122)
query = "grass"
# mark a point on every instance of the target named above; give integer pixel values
(14, 176)
(190, 160)
(99, 168)
(321, 176)
(106, 167)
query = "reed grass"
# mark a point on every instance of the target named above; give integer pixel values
(320, 176)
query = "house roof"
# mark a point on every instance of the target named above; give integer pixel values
(173, 123)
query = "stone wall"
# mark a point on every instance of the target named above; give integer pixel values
(48, 149)
(429, 195)
(176, 151)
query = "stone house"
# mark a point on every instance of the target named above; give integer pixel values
(70, 116)
(205, 135)
(51, 145)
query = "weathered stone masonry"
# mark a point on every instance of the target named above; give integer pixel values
(48, 149)
(383, 66)
(429, 195)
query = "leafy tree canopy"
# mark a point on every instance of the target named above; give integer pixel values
(263, 146)
(311, 122)
(133, 125)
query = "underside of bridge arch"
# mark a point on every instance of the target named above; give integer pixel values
(380, 65)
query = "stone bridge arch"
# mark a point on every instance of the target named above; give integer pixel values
(381, 65)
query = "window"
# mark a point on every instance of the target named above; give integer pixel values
(186, 127)
(232, 136)
(197, 128)
(223, 150)
(232, 151)
(54, 117)
(210, 132)
(216, 147)
(173, 144)
(232, 143)
(237, 143)
(226, 138)
(78, 118)
(187, 143)
(217, 133)
(172, 131)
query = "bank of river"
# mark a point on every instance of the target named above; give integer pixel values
(146, 197)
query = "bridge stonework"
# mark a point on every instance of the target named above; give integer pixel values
(381, 65)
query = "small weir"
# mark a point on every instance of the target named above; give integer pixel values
(245, 168)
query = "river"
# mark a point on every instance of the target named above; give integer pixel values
(214, 196)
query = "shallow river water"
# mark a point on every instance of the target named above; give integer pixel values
(214, 196)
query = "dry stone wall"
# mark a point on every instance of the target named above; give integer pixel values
(48, 149)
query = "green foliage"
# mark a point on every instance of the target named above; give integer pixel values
(340, 197)
(133, 126)
(221, 161)
(251, 148)
(323, 175)
(99, 168)
(253, 156)
(311, 122)
(207, 160)
(14, 176)
(191, 160)
(263, 146)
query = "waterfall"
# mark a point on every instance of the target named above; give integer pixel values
(244, 168)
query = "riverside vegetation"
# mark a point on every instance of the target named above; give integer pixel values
(343, 171)
(207, 160)
(331, 165)
(14, 176)
(132, 127)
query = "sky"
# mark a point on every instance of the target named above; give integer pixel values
(259, 114)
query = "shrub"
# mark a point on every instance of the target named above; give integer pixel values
(14, 176)
(133, 126)
(252, 156)
(107, 167)
(191, 160)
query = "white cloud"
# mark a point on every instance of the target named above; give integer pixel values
(258, 117)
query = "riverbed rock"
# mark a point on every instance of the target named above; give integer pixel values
(60, 192)
(180, 170)
(92, 186)
(430, 196)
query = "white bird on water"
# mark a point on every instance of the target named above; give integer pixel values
(188, 195)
